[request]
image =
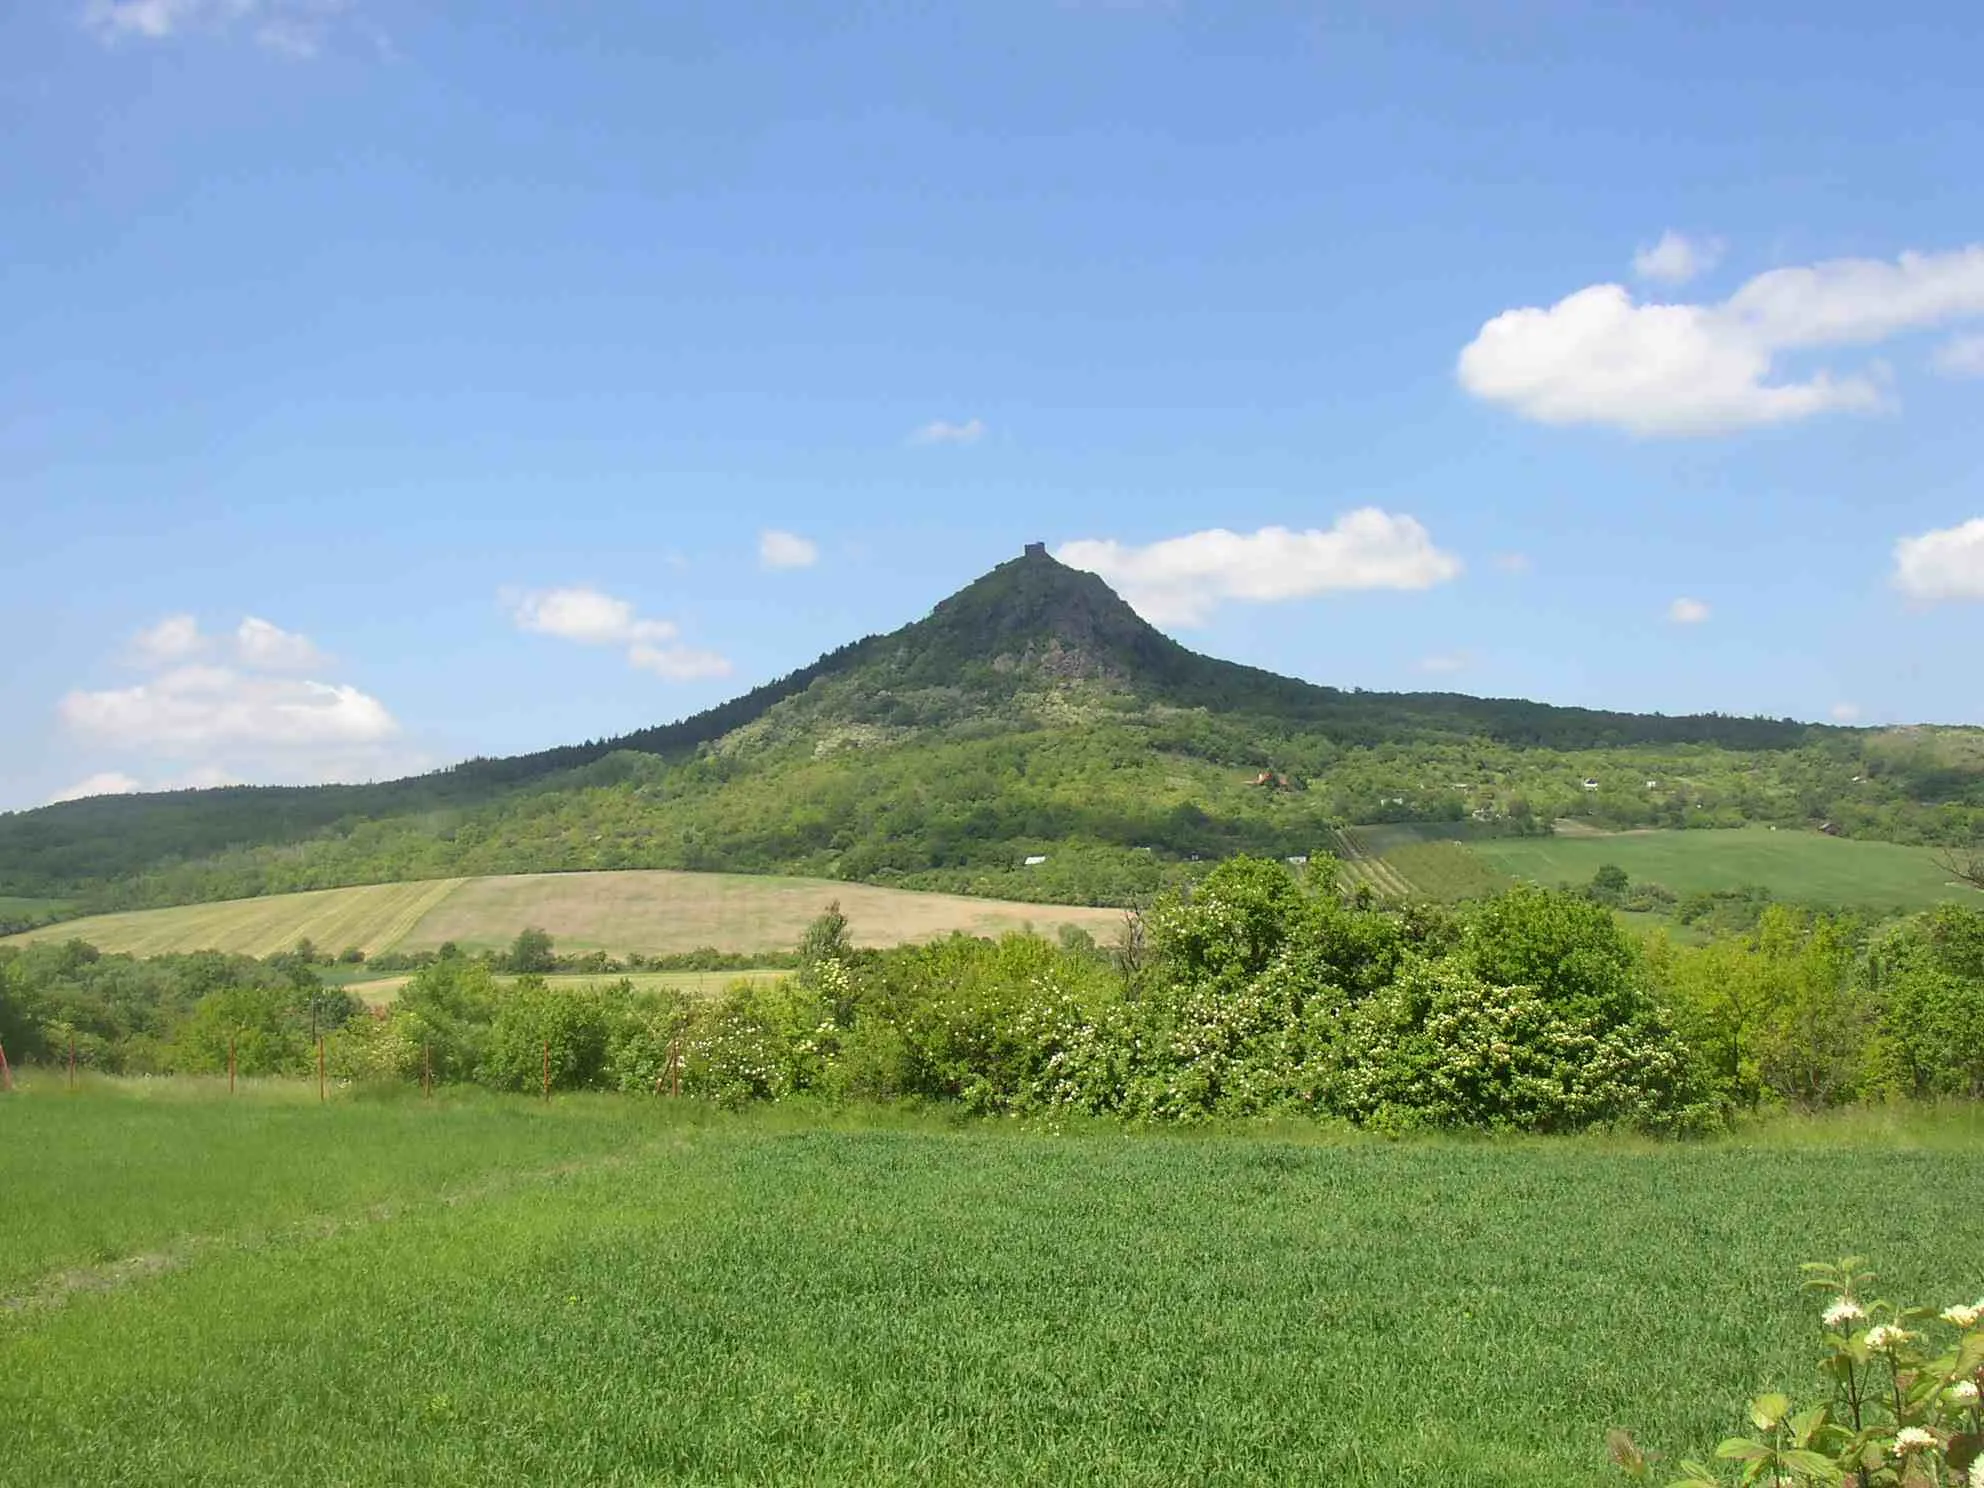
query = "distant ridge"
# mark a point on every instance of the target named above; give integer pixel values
(1030, 628)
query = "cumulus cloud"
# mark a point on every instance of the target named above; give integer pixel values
(592, 618)
(1676, 258)
(103, 783)
(778, 549)
(1845, 712)
(266, 647)
(586, 616)
(1961, 356)
(174, 638)
(940, 431)
(194, 707)
(1599, 357)
(1685, 611)
(1182, 580)
(295, 28)
(242, 718)
(1947, 563)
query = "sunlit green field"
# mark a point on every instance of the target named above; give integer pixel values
(486, 1290)
(1805, 867)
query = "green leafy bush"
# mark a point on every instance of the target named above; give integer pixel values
(1902, 1406)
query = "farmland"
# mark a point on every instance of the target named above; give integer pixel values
(1805, 867)
(380, 991)
(492, 1290)
(649, 912)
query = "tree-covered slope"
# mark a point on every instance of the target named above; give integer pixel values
(1031, 710)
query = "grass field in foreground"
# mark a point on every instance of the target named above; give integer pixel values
(638, 1292)
(653, 912)
(1807, 867)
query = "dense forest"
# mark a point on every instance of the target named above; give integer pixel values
(1031, 711)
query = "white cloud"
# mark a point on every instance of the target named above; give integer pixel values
(270, 648)
(586, 616)
(939, 431)
(174, 638)
(295, 28)
(1961, 356)
(1677, 258)
(103, 783)
(1944, 564)
(1685, 611)
(194, 722)
(198, 707)
(778, 549)
(678, 663)
(1598, 357)
(592, 618)
(1845, 712)
(1452, 661)
(1181, 580)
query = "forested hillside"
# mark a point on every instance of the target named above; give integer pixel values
(1033, 714)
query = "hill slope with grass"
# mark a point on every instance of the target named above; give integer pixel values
(647, 913)
(1032, 714)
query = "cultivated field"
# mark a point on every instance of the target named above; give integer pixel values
(487, 1290)
(651, 912)
(1801, 866)
(379, 991)
(375, 917)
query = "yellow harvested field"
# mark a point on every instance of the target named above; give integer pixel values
(374, 917)
(655, 912)
(652, 912)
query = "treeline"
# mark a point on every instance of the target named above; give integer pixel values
(1120, 806)
(1260, 992)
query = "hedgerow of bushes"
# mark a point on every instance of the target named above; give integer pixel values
(1258, 993)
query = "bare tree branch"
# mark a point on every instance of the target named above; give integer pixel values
(1966, 864)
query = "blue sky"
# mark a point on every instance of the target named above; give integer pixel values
(383, 383)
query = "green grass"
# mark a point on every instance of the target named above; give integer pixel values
(13, 905)
(1806, 867)
(651, 912)
(628, 1292)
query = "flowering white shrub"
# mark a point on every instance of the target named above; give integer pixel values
(1903, 1412)
(1441, 1047)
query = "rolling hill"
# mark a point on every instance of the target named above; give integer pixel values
(1032, 713)
(645, 912)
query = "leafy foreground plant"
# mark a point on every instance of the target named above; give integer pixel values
(1900, 1414)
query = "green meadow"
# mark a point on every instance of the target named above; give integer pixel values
(1804, 867)
(491, 1290)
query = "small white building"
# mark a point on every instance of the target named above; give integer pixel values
(1036, 860)
(1590, 784)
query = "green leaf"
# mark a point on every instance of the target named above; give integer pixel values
(1812, 1465)
(1741, 1449)
(1807, 1424)
(1767, 1410)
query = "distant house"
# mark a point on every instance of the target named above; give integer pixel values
(1300, 860)
(1036, 860)
(1653, 785)
(1269, 780)
(1831, 829)
(1590, 784)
